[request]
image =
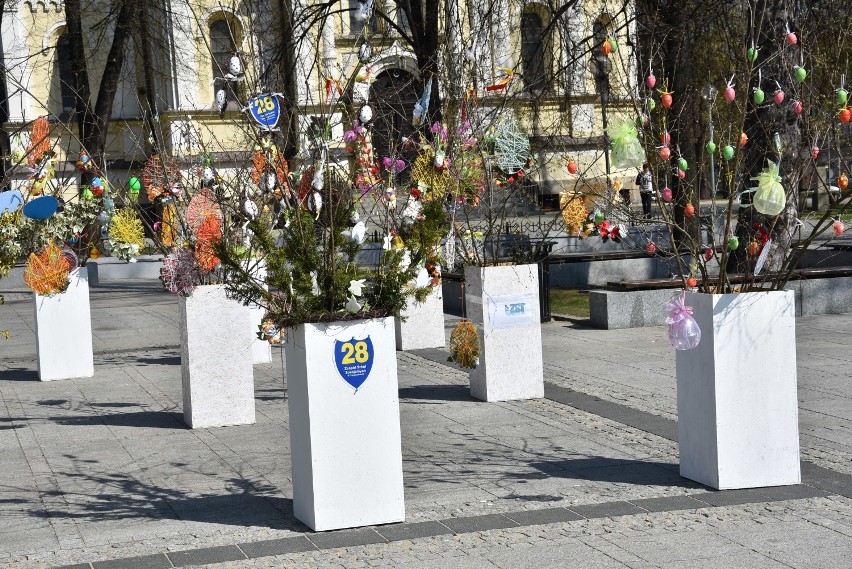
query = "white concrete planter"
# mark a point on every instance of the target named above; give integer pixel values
(423, 326)
(503, 303)
(736, 392)
(345, 442)
(215, 359)
(64, 331)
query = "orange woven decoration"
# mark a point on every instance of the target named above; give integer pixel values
(201, 206)
(39, 141)
(574, 212)
(207, 235)
(47, 271)
(258, 159)
(169, 224)
(464, 345)
(161, 176)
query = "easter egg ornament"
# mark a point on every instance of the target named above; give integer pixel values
(710, 147)
(572, 167)
(845, 115)
(758, 96)
(842, 182)
(733, 243)
(791, 38)
(599, 217)
(682, 164)
(666, 100)
(651, 248)
(839, 228)
(606, 48)
(796, 106)
(652, 104)
(689, 210)
(665, 152)
(743, 139)
(728, 152)
(801, 74)
(778, 97)
(730, 93)
(650, 81)
(41, 208)
(814, 152)
(708, 253)
(752, 53)
(666, 194)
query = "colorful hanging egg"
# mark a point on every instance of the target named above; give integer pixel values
(682, 163)
(652, 104)
(797, 107)
(842, 97)
(801, 74)
(689, 210)
(752, 248)
(752, 53)
(728, 152)
(651, 81)
(708, 253)
(730, 94)
(681, 174)
(599, 217)
(691, 282)
(666, 99)
(815, 152)
(758, 96)
(845, 115)
(665, 153)
(365, 115)
(743, 139)
(733, 243)
(839, 228)
(843, 182)
(606, 48)
(791, 38)
(666, 194)
(572, 167)
(710, 147)
(97, 186)
(778, 97)
(651, 248)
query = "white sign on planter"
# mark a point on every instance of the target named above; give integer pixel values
(423, 326)
(503, 303)
(215, 358)
(64, 331)
(345, 441)
(736, 392)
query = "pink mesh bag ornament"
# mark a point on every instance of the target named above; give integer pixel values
(684, 333)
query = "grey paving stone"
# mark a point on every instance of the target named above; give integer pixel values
(206, 555)
(76, 566)
(281, 546)
(669, 504)
(825, 479)
(399, 532)
(479, 523)
(607, 510)
(346, 538)
(543, 516)
(158, 561)
(797, 492)
(732, 497)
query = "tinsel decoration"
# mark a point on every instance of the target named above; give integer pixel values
(126, 234)
(511, 147)
(207, 235)
(464, 345)
(39, 141)
(161, 176)
(179, 273)
(47, 271)
(169, 224)
(574, 211)
(436, 182)
(201, 206)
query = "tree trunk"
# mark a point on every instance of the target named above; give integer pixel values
(79, 66)
(423, 19)
(287, 75)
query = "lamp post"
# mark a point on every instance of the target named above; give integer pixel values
(601, 68)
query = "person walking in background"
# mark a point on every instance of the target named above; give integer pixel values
(645, 181)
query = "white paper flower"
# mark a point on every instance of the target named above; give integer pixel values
(315, 289)
(356, 287)
(386, 242)
(359, 232)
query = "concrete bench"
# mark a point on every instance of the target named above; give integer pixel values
(111, 268)
(817, 291)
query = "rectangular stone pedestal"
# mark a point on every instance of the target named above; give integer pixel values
(423, 324)
(215, 358)
(736, 392)
(345, 441)
(63, 326)
(503, 304)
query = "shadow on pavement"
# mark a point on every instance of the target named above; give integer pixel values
(146, 419)
(19, 374)
(436, 393)
(602, 469)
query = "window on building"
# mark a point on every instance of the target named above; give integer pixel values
(224, 38)
(532, 51)
(355, 24)
(402, 21)
(67, 92)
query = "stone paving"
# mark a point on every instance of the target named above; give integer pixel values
(102, 470)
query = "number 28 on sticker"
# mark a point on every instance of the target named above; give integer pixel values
(264, 104)
(354, 352)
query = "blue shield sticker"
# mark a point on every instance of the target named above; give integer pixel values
(265, 110)
(354, 360)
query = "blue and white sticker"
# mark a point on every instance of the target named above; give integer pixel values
(265, 110)
(354, 360)
(512, 310)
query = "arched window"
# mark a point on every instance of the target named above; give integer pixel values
(532, 51)
(222, 46)
(62, 69)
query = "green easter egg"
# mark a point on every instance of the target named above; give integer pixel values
(651, 104)
(842, 97)
(599, 217)
(728, 152)
(87, 193)
(759, 96)
(711, 147)
(134, 183)
(682, 164)
(733, 243)
(801, 74)
(752, 53)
